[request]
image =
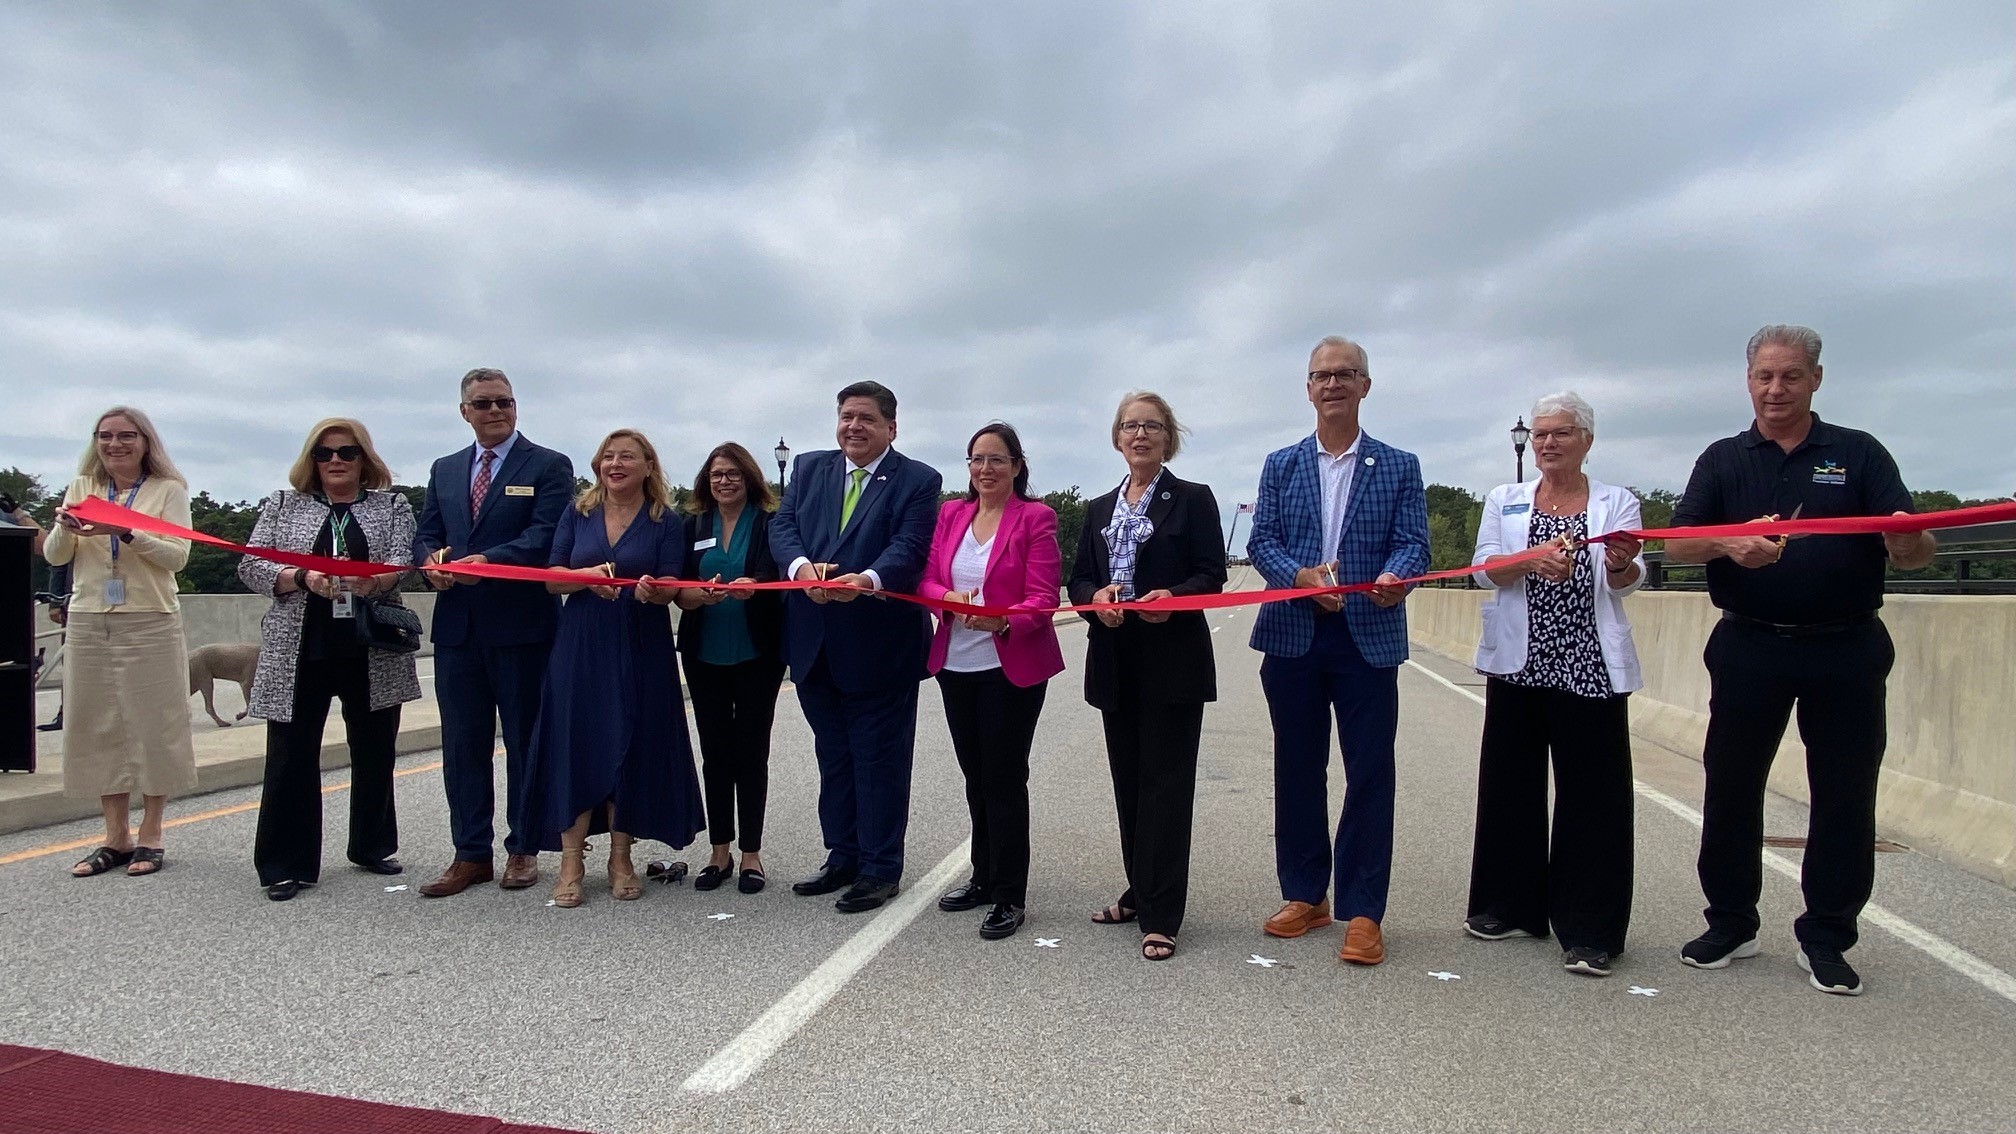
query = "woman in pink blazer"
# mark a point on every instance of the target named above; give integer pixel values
(996, 547)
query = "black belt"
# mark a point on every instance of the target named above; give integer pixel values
(1801, 629)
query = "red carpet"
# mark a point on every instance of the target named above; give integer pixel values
(48, 1092)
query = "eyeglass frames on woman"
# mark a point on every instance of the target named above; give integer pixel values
(490, 403)
(725, 476)
(323, 454)
(123, 437)
(1151, 428)
(989, 461)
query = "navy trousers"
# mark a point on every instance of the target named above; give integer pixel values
(479, 688)
(1302, 693)
(864, 743)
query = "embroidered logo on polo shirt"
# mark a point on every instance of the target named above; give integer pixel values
(1830, 472)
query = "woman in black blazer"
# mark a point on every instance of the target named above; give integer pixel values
(731, 644)
(1149, 674)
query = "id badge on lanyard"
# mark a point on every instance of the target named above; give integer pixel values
(115, 583)
(341, 604)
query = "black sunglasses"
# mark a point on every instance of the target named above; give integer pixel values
(323, 454)
(487, 403)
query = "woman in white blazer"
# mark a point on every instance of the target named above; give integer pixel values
(1557, 652)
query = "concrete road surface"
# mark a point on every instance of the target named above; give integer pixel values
(662, 1015)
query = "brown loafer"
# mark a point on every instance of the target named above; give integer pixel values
(1298, 918)
(1363, 944)
(458, 877)
(521, 871)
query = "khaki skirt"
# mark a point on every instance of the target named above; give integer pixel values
(126, 706)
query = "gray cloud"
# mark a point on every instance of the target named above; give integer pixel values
(702, 219)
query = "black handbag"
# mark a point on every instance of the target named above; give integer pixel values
(386, 626)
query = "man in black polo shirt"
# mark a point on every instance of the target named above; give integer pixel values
(1799, 627)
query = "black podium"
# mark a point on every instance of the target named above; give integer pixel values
(17, 651)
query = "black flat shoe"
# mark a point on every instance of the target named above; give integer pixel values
(752, 881)
(711, 877)
(829, 879)
(387, 866)
(1002, 921)
(868, 892)
(961, 898)
(284, 891)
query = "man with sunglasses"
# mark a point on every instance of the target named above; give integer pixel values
(496, 501)
(1336, 507)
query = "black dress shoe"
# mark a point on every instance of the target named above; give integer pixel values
(829, 879)
(752, 881)
(868, 892)
(711, 877)
(387, 866)
(283, 891)
(961, 898)
(1002, 921)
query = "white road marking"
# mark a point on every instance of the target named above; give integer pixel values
(1048, 943)
(1263, 962)
(1640, 990)
(732, 1065)
(1925, 941)
(1445, 977)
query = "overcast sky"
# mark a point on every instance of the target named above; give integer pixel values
(701, 219)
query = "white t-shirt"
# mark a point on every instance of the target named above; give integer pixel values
(970, 651)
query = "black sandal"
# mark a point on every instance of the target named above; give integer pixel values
(154, 857)
(1167, 947)
(1115, 914)
(100, 861)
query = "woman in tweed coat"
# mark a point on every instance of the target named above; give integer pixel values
(309, 654)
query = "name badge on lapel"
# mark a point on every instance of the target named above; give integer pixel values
(704, 544)
(1515, 509)
(517, 490)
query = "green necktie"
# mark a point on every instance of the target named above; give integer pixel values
(852, 498)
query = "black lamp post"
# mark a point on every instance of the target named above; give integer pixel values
(783, 454)
(1520, 435)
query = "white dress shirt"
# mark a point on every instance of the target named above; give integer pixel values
(502, 450)
(1337, 471)
(846, 482)
(969, 650)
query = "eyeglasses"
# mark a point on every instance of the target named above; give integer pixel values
(489, 403)
(725, 476)
(1325, 377)
(323, 454)
(1563, 436)
(1151, 428)
(123, 437)
(989, 461)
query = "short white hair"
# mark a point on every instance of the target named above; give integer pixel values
(1570, 403)
(1364, 359)
(1804, 339)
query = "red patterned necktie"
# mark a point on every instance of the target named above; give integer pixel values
(481, 488)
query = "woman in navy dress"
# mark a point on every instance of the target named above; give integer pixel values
(610, 753)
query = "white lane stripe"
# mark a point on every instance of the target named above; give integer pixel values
(1925, 941)
(733, 1064)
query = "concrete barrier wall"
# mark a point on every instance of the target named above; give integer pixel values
(1949, 776)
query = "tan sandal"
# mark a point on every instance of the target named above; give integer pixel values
(567, 887)
(624, 884)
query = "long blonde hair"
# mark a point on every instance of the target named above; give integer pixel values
(657, 490)
(306, 475)
(154, 463)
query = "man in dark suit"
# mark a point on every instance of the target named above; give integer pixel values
(496, 501)
(1336, 507)
(861, 516)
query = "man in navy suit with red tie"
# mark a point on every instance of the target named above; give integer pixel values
(496, 501)
(861, 517)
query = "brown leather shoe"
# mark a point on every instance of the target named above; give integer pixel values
(1363, 944)
(1298, 918)
(520, 872)
(458, 877)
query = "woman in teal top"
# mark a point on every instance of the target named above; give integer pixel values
(732, 644)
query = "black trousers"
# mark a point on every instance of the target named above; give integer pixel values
(993, 725)
(288, 845)
(733, 709)
(1579, 882)
(1151, 747)
(1835, 682)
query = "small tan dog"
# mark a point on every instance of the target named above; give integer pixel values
(227, 661)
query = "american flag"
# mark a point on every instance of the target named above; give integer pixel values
(1245, 510)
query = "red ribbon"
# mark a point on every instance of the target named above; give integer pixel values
(93, 510)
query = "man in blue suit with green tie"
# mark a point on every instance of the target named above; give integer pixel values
(858, 517)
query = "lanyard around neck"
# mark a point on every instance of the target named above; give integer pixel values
(112, 494)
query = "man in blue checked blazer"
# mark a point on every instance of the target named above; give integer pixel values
(1337, 507)
(860, 515)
